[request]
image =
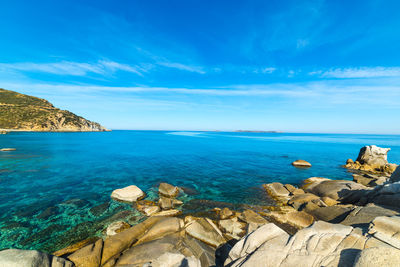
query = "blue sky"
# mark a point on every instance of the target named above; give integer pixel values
(296, 66)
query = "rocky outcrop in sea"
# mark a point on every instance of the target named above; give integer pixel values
(321, 222)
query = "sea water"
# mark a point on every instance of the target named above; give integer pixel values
(55, 188)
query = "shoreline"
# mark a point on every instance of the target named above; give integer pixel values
(221, 236)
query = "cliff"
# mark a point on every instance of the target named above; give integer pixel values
(28, 113)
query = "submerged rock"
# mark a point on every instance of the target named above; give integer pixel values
(34, 258)
(99, 209)
(130, 193)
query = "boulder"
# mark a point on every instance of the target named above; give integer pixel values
(378, 256)
(116, 227)
(167, 203)
(373, 156)
(395, 175)
(276, 190)
(130, 193)
(363, 216)
(165, 226)
(322, 244)
(297, 201)
(233, 227)
(332, 214)
(114, 245)
(301, 163)
(342, 190)
(147, 207)
(74, 247)
(167, 213)
(297, 219)
(31, 258)
(329, 201)
(267, 239)
(89, 256)
(225, 213)
(386, 229)
(168, 190)
(251, 217)
(7, 149)
(205, 230)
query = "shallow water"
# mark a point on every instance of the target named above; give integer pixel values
(51, 182)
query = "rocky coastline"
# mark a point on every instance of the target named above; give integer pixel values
(321, 222)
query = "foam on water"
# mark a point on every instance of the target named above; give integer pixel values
(55, 188)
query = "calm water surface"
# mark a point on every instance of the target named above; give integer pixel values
(55, 189)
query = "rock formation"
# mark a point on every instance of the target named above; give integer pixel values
(28, 113)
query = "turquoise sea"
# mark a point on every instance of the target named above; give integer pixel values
(55, 188)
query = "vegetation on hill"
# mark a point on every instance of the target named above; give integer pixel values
(24, 112)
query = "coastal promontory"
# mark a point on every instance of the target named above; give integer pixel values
(28, 113)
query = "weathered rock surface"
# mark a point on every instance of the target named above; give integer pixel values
(378, 256)
(322, 244)
(345, 191)
(31, 258)
(297, 219)
(386, 229)
(233, 227)
(167, 203)
(373, 156)
(225, 213)
(297, 201)
(363, 216)
(265, 239)
(332, 214)
(276, 190)
(395, 176)
(301, 163)
(89, 256)
(130, 193)
(168, 190)
(165, 226)
(205, 230)
(116, 227)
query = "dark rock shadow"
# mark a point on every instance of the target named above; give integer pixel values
(347, 257)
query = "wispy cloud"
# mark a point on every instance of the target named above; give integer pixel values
(181, 66)
(102, 67)
(361, 72)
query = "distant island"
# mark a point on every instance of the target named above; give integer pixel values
(19, 112)
(248, 131)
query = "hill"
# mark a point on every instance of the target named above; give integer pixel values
(29, 113)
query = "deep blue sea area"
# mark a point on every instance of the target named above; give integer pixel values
(55, 188)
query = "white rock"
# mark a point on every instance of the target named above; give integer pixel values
(386, 229)
(31, 258)
(373, 155)
(378, 256)
(130, 193)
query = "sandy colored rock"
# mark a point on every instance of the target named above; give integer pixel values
(168, 190)
(301, 163)
(373, 156)
(386, 229)
(251, 217)
(115, 244)
(332, 214)
(297, 219)
(7, 149)
(233, 227)
(130, 193)
(297, 201)
(166, 203)
(89, 256)
(205, 230)
(335, 189)
(165, 226)
(264, 239)
(378, 256)
(225, 213)
(31, 258)
(75, 247)
(116, 227)
(329, 201)
(166, 213)
(276, 190)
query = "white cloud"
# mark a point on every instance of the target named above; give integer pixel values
(181, 66)
(361, 72)
(102, 67)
